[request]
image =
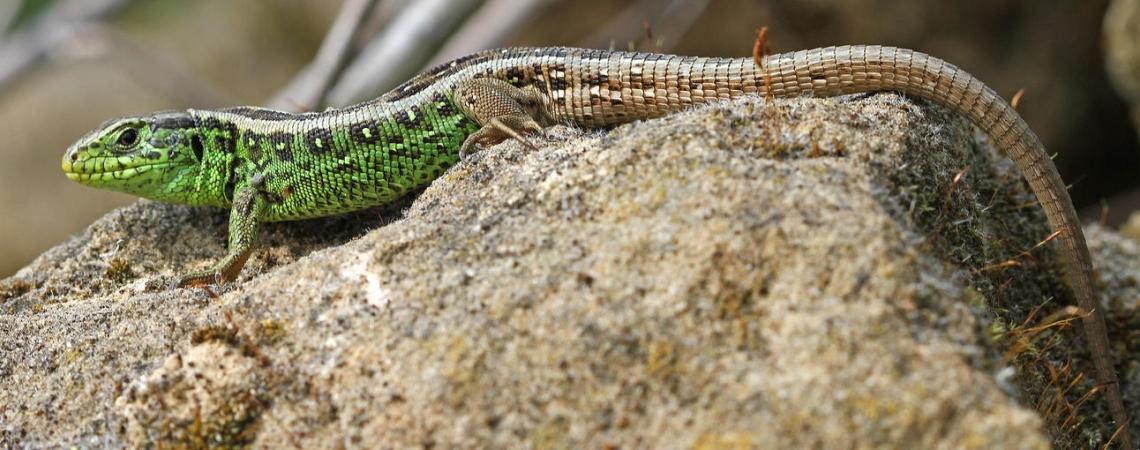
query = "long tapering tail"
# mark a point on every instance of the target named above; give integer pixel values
(616, 87)
(851, 69)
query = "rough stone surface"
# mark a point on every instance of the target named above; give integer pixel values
(842, 273)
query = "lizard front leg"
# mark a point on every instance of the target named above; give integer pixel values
(504, 111)
(247, 207)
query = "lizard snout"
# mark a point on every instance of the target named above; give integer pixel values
(70, 157)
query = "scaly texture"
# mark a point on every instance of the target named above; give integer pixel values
(291, 166)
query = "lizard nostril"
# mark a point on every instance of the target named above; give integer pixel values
(74, 156)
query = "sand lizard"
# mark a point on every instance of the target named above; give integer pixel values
(268, 165)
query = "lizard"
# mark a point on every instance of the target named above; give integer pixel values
(267, 165)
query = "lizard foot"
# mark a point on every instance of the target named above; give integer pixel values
(497, 130)
(219, 275)
(248, 204)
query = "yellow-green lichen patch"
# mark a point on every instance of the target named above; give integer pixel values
(272, 330)
(211, 397)
(13, 287)
(724, 441)
(119, 270)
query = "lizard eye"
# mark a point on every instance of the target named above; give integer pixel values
(128, 138)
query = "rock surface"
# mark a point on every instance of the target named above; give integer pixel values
(808, 273)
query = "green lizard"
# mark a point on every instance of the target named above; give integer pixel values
(268, 165)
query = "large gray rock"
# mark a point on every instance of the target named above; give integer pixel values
(811, 273)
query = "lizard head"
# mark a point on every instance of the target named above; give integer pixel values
(158, 156)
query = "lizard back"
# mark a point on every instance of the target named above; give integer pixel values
(294, 166)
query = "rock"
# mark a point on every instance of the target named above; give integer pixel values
(809, 273)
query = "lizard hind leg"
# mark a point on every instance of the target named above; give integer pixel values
(502, 110)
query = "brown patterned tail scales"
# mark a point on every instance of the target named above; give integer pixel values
(592, 88)
(851, 69)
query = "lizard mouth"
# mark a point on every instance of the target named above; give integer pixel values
(107, 170)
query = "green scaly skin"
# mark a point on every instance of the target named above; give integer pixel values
(203, 158)
(267, 165)
(266, 169)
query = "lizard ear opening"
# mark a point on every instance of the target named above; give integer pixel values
(196, 146)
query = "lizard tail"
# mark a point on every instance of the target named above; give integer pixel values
(615, 87)
(853, 69)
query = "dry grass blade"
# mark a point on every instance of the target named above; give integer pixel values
(1016, 100)
(669, 22)
(760, 46)
(400, 50)
(55, 27)
(308, 89)
(488, 27)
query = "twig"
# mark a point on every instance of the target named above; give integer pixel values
(400, 50)
(380, 18)
(308, 88)
(56, 26)
(669, 23)
(489, 27)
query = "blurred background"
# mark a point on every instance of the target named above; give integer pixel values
(68, 65)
